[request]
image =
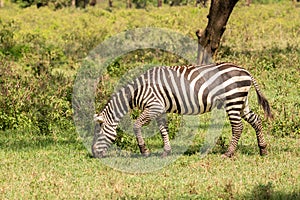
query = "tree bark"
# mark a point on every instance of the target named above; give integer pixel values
(74, 3)
(85, 2)
(159, 3)
(1, 3)
(209, 39)
(129, 4)
(110, 3)
(93, 2)
(248, 2)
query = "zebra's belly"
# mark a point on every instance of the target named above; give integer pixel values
(188, 106)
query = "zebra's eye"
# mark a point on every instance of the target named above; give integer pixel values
(100, 124)
(98, 128)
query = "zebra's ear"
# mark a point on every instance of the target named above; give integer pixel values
(98, 118)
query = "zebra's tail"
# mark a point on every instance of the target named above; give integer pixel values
(262, 100)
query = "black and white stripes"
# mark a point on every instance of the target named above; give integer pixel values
(187, 90)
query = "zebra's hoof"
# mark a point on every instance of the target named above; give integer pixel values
(165, 154)
(263, 151)
(224, 156)
(146, 153)
(227, 155)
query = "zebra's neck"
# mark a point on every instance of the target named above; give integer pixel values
(117, 106)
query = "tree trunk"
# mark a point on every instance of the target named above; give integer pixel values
(85, 2)
(209, 39)
(248, 2)
(93, 2)
(159, 3)
(74, 3)
(110, 3)
(1, 3)
(129, 4)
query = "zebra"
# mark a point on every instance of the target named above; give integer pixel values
(186, 90)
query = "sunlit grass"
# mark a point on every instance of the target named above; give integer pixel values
(61, 168)
(262, 38)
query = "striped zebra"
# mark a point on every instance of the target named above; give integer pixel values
(187, 90)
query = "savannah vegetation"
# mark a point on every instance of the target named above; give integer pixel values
(42, 156)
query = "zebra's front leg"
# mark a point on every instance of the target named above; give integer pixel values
(141, 120)
(237, 128)
(163, 127)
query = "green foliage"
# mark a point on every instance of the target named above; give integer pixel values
(266, 1)
(54, 4)
(41, 55)
(40, 102)
(125, 141)
(7, 43)
(23, 3)
(51, 3)
(41, 155)
(32, 96)
(140, 3)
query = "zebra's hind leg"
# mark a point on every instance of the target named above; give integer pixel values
(256, 123)
(163, 127)
(237, 128)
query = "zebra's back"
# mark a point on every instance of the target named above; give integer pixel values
(191, 89)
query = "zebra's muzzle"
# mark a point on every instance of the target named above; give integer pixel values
(98, 154)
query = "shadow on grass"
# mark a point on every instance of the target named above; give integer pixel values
(266, 192)
(248, 149)
(222, 146)
(25, 141)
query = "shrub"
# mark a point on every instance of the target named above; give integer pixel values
(32, 94)
(41, 103)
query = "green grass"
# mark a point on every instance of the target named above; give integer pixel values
(264, 39)
(40, 167)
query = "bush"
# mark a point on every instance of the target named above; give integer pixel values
(38, 102)
(52, 3)
(32, 94)
(8, 44)
(39, 56)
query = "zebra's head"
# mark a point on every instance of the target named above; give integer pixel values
(101, 141)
